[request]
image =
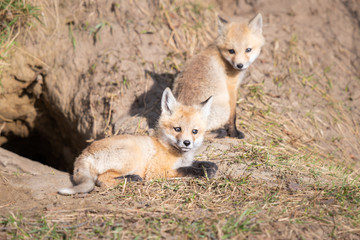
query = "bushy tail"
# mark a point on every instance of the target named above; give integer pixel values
(85, 183)
(81, 188)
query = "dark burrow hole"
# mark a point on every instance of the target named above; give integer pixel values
(35, 147)
(52, 141)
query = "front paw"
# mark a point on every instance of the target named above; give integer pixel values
(209, 168)
(234, 133)
(131, 178)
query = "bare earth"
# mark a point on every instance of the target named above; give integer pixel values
(93, 69)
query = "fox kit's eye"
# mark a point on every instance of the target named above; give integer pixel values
(248, 50)
(231, 51)
(177, 129)
(194, 131)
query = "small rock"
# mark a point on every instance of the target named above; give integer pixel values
(293, 186)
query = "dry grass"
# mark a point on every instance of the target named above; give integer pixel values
(295, 182)
(192, 208)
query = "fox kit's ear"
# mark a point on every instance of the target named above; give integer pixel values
(221, 23)
(256, 23)
(168, 102)
(206, 106)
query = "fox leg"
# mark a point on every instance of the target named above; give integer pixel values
(231, 125)
(199, 169)
(232, 130)
(196, 169)
(112, 178)
(108, 179)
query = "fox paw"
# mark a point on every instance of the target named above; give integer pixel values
(210, 168)
(199, 169)
(233, 132)
(207, 169)
(131, 178)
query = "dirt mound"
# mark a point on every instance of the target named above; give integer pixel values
(86, 83)
(32, 180)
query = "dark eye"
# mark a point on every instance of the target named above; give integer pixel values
(177, 129)
(194, 131)
(248, 50)
(231, 51)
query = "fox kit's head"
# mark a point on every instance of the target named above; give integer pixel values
(183, 127)
(240, 43)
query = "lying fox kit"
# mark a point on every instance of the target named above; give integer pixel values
(168, 154)
(218, 71)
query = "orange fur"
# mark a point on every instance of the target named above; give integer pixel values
(108, 178)
(180, 132)
(218, 71)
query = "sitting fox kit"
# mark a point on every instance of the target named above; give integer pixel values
(218, 71)
(168, 154)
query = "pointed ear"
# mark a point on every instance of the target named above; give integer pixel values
(221, 24)
(206, 107)
(256, 24)
(168, 102)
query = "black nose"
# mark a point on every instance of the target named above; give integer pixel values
(240, 65)
(186, 142)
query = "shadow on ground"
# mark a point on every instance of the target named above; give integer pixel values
(148, 104)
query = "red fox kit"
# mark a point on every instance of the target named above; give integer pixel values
(168, 154)
(218, 71)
